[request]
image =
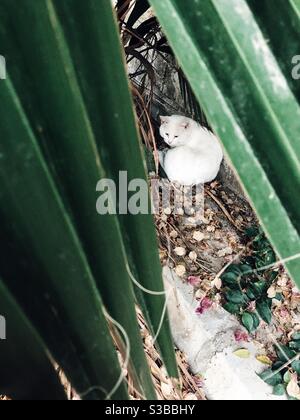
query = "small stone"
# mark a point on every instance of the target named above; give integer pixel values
(180, 251)
(217, 283)
(173, 234)
(225, 251)
(193, 256)
(211, 228)
(180, 270)
(167, 390)
(198, 236)
(191, 221)
(221, 253)
(272, 292)
(190, 397)
(282, 282)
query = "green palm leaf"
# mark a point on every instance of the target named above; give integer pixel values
(39, 223)
(110, 110)
(23, 353)
(249, 103)
(69, 142)
(63, 129)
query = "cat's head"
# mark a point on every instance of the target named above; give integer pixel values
(176, 130)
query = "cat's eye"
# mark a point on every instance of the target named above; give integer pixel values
(167, 134)
(176, 137)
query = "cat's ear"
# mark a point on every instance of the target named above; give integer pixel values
(163, 119)
(186, 125)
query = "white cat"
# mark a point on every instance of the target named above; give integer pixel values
(195, 156)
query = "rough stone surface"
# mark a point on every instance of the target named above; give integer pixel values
(208, 343)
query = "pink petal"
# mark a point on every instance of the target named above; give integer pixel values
(199, 310)
(252, 306)
(194, 281)
(241, 336)
(284, 313)
(204, 305)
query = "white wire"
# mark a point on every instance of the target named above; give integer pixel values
(150, 292)
(124, 367)
(167, 294)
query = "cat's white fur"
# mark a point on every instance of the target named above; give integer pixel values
(195, 156)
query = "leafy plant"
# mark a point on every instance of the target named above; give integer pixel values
(234, 71)
(246, 284)
(285, 372)
(67, 120)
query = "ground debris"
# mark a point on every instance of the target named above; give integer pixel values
(211, 247)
